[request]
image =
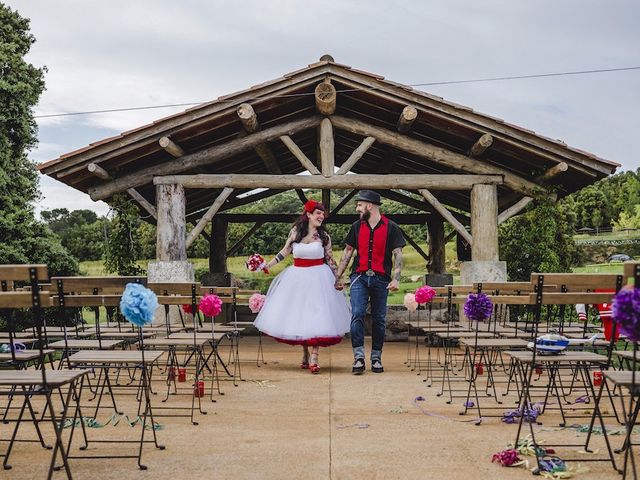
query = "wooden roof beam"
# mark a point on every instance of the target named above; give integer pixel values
(100, 172)
(419, 205)
(438, 155)
(207, 156)
(286, 182)
(171, 147)
(326, 98)
(406, 119)
(481, 145)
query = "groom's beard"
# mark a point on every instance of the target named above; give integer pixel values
(365, 216)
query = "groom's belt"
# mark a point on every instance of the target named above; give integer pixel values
(370, 273)
(307, 262)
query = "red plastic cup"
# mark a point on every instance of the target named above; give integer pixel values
(597, 379)
(182, 374)
(479, 368)
(198, 389)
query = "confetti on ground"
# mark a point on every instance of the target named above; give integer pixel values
(359, 426)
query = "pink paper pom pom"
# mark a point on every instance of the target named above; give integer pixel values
(211, 305)
(410, 302)
(425, 294)
(256, 301)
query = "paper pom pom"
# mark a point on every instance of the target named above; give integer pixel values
(256, 301)
(478, 307)
(626, 311)
(425, 294)
(211, 305)
(506, 458)
(186, 308)
(256, 263)
(138, 304)
(410, 302)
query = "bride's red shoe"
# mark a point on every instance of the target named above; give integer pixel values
(314, 367)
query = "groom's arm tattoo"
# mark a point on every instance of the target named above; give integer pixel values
(344, 261)
(397, 265)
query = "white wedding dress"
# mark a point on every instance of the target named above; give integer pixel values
(302, 306)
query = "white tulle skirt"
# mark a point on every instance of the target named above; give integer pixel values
(303, 308)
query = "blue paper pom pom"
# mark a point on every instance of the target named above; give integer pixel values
(138, 304)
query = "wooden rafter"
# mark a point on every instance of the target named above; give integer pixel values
(206, 218)
(406, 119)
(299, 154)
(446, 214)
(415, 245)
(207, 156)
(481, 145)
(248, 234)
(356, 155)
(343, 202)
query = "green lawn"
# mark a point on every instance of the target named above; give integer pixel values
(412, 273)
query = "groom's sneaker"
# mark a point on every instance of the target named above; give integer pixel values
(376, 366)
(358, 366)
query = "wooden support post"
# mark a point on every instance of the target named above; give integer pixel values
(326, 97)
(218, 245)
(236, 246)
(446, 214)
(299, 154)
(171, 147)
(303, 198)
(343, 202)
(193, 234)
(415, 245)
(481, 145)
(326, 199)
(437, 244)
(143, 202)
(327, 147)
(484, 223)
(171, 202)
(355, 156)
(406, 119)
(514, 209)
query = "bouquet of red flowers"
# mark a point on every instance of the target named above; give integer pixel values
(256, 263)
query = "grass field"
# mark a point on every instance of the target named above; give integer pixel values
(412, 273)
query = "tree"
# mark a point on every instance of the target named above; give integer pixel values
(24, 239)
(81, 232)
(123, 246)
(540, 240)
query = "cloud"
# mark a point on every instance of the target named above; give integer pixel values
(151, 52)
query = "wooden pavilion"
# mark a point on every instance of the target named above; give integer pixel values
(347, 129)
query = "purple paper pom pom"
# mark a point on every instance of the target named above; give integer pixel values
(626, 311)
(478, 307)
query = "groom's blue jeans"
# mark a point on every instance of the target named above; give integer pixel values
(364, 288)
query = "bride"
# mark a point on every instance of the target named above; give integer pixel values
(302, 306)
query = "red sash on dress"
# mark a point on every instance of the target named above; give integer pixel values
(307, 262)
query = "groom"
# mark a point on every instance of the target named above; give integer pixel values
(378, 244)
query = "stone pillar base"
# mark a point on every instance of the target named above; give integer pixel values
(167, 272)
(483, 271)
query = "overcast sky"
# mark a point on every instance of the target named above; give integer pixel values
(118, 54)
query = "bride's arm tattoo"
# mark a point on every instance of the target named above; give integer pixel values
(397, 265)
(286, 250)
(344, 261)
(328, 257)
